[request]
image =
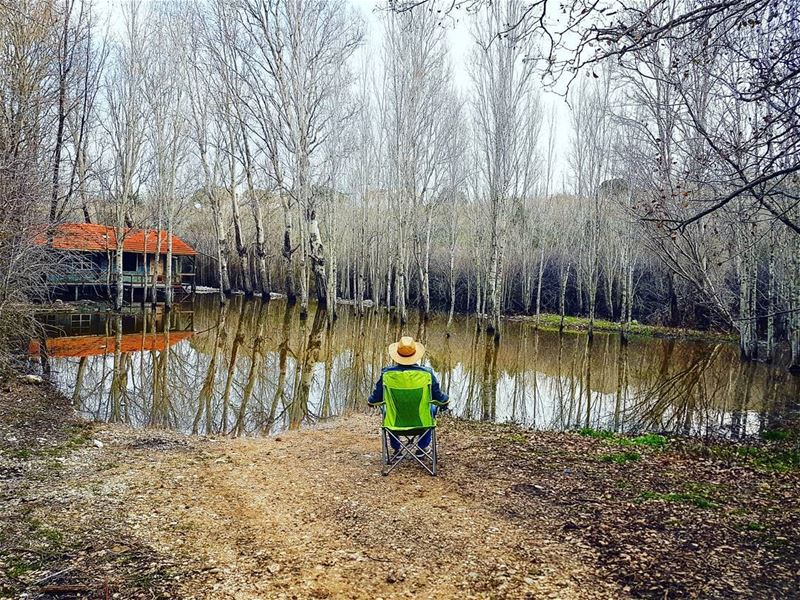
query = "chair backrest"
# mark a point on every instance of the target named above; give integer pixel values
(407, 395)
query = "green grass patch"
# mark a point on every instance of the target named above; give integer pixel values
(595, 433)
(621, 458)
(777, 435)
(652, 440)
(515, 438)
(777, 460)
(80, 436)
(17, 567)
(695, 498)
(550, 321)
(22, 454)
(755, 526)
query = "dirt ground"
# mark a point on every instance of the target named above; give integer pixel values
(101, 511)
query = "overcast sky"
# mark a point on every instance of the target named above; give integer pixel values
(460, 43)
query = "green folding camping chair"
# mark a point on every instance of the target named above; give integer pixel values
(407, 417)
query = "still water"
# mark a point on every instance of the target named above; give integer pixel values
(252, 369)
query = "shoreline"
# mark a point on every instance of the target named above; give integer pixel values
(547, 321)
(150, 513)
(550, 322)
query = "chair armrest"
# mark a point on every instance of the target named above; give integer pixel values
(375, 404)
(444, 405)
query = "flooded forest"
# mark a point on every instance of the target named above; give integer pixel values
(253, 368)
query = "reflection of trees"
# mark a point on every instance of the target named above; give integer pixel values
(76, 393)
(538, 378)
(162, 414)
(357, 368)
(232, 361)
(489, 383)
(673, 400)
(587, 386)
(119, 378)
(206, 396)
(283, 354)
(622, 382)
(298, 410)
(325, 409)
(255, 365)
(470, 408)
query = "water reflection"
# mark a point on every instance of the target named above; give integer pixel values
(251, 368)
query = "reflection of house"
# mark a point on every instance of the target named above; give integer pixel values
(97, 345)
(93, 334)
(90, 252)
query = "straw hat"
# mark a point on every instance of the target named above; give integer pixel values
(406, 351)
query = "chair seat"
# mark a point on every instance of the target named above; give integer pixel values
(410, 430)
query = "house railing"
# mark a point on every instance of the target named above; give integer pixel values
(132, 278)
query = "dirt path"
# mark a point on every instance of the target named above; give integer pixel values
(309, 515)
(103, 511)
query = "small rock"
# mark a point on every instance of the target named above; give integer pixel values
(274, 568)
(34, 379)
(97, 443)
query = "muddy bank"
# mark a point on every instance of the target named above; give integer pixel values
(93, 510)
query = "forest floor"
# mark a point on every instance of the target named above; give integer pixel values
(103, 511)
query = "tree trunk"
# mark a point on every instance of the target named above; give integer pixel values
(222, 246)
(539, 285)
(452, 277)
(168, 274)
(120, 284)
(287, 251)
(261, 250)
(493, 284)
(563, 272)
(794, 321)
(772, 300)
(316, 252)
(241, 247)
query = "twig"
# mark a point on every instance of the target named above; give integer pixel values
(57, 573)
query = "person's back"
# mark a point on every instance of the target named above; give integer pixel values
(407, 355)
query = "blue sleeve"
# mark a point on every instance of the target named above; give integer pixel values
(376, 397)
(436, 390)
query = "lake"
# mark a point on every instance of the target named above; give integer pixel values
(254, 368)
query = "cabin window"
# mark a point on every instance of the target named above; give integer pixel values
(81, 321)
(129, 262)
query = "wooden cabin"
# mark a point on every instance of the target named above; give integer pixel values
(89, 255)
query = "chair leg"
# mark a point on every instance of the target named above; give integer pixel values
(408, 451)
(434, 450)
(384, 449)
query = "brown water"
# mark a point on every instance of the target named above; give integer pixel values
(253, 368)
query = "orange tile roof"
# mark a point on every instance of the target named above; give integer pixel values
(97, 345)
(89, 237)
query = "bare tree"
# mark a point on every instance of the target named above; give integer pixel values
(125, 129)
(503, 92)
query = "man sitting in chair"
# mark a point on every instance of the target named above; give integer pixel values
(407, 355)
